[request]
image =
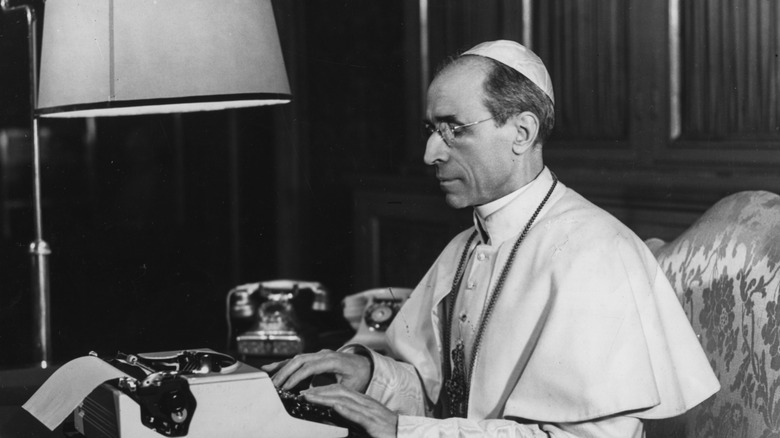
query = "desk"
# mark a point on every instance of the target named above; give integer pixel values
(16, 386)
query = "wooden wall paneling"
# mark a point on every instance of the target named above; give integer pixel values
(457, 25)
(648, 78)
(730, 76)
(585, 46)
(415, 85)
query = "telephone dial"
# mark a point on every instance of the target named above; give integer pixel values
(370, 313)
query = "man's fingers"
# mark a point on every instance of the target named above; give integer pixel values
(349, 404)
(302, 367)
(353, 371)
(337, 395)
(289, 367)
(330, 392)
(360, 409)
(272, 367)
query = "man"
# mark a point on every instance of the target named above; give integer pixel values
(548, 318)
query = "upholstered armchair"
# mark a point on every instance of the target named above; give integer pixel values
(725, 271)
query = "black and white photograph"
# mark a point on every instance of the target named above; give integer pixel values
(398, 218)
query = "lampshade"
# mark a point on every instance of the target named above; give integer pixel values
(125, 57)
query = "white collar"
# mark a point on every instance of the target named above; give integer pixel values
(505, 217)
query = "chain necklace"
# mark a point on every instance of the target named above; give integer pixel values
(456, 382)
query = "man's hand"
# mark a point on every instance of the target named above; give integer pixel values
(377, 420)
(351, 370)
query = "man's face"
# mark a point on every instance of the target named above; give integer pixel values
(478, 165)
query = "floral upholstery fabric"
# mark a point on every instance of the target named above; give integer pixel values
(724, 269)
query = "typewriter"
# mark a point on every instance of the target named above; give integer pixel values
(199, 393)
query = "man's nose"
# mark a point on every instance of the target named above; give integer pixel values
(436, 150)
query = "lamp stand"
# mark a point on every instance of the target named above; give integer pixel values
(39, 249)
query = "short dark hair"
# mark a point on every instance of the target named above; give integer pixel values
(508, 92)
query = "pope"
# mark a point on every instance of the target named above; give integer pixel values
(548, 317)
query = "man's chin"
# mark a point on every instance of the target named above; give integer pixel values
(456, 201)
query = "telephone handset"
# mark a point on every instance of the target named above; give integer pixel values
(370, 313)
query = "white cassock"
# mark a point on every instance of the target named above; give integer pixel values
(586, 339)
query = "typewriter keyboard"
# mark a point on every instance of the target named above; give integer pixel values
(297, 406)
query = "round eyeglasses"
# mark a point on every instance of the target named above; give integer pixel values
(448, 131)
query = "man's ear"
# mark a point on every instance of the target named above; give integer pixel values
(527, 124)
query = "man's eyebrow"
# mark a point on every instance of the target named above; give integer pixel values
(446, 119)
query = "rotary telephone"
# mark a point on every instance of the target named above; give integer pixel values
(370, 313)
(272, 318)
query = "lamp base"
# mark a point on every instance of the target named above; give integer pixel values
(39, 250)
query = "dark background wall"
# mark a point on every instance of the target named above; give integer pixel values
(153, 219)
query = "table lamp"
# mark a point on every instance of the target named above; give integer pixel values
(128, 57)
